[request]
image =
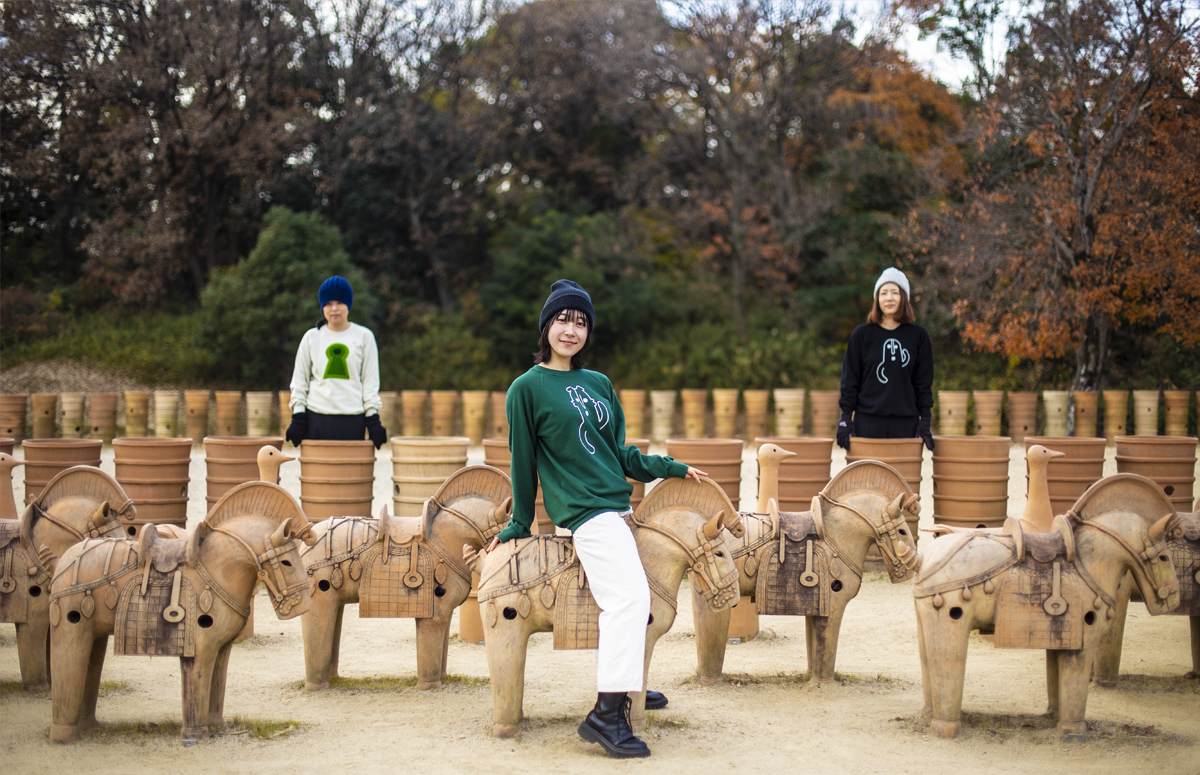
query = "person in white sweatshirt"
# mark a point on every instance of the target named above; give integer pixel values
(335, 385)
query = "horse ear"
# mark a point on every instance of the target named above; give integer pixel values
(1158, 531)
(507, 506)
(281, 534)
(193, 546)
(712, 528)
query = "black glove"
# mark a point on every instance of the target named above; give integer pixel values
(376, 431)
(845, 430)
(298, 429)
(925, 430)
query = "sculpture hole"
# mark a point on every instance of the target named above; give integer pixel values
(956, 613)
(1164, 558)
(205, 621)
(288, 563)
(510, 613)
(650, 621)
(323, 585)
(981, 525)
(183, 491)
(131, 530)
(836, 586)
(397, 490)
(1169, 490)
(1089, 617)
(35, 591)
(73, 617)
(439, 590)
(902, 532)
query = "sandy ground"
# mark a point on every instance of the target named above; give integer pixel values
(764, 718)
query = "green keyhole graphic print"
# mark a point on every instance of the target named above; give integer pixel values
(336, 368)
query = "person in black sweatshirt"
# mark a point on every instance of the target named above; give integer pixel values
(887, 376)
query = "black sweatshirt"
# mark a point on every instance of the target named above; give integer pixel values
(888, 373)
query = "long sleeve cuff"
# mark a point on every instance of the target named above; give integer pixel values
(513, 531)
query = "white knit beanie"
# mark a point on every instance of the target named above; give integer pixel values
(893, 275)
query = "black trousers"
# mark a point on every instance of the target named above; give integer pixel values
(336, 427)
(872, 426)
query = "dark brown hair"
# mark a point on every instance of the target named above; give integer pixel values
(544, 351)
(906, 314)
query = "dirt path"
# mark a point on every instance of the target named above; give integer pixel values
(765, 718)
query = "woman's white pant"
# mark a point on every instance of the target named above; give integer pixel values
(609, 556)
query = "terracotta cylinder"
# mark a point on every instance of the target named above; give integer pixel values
(662, 404)
(756, 412)
(1145, 412)
(166, 413)
(721, 459)
(102, 408)
(470, 623)
(1068, 477)
(45, 407)
(725, 403)
(952, 412)
(420, 465)
(285, 411)
(496, 455)
(154, 474)
(12, 415)
(1022, 416)
(803, 476)
(232, 460)
(987, 411)
(1116, 414)
(1177, 411)
(337, 478)
(7, 446)
(970, 480)
(695, 404)
(639, 488)
(229, 405)
(444, 404)
(412, 405)
(1087, 409)
(195, 413)
(474, 414)
(789, 412)
(498, 427)
(743, 620)
(633, 404)
(1055, 404)
(387, 412)
(258, 413)
(45, 458)
(825, 412)
(72, 416)
(1169, 460)
(137, 413)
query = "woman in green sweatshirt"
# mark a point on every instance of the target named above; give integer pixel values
(566, 429)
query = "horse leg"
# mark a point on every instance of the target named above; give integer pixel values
(216, 695)
(821, 636)
(91, 689)
(507, 649)
(197, 687)
(712, 636)
(33, 649)
(319, 625)
(1195, 622)
(637, 707)
(1053, 700)
(432, 644)
(946, 657)
(1074, 671)
(1108, 654)
(926, 685)
(70, 657)
(335, 652)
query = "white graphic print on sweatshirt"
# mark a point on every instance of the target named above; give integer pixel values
(892, 349)
(586, 406)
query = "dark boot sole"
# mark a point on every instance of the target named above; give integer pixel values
(592, 736)
(657, 705)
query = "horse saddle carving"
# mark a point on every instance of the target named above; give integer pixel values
(1185, 555)
(398, 580)
(165, 554)
(156, 614)
(14, 569)
(795, 576)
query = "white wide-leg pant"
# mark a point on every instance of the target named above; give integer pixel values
(609, 556)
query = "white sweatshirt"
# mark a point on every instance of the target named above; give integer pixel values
(337, 372)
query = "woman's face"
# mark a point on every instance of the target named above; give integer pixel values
(337, 314)
(889, 300)
(568, 333)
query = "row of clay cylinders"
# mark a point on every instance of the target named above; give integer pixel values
(103, 414)
(789, 412)
(435, 413)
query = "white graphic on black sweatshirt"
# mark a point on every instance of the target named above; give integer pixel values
(586, 405)
(892, 349)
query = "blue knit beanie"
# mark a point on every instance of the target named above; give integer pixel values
(336, 289)
(565, 294)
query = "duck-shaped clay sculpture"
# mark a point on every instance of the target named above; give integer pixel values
(1038, 516)
(769, 458)
(269, 461)
(8, 503)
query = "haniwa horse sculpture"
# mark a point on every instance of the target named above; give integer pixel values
(186, 597)
(866, 504)
(1050, 591)
(470, 508)
(79, 503)
(536, 584)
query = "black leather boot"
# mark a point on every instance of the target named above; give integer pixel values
(608, 725)
(655, 700)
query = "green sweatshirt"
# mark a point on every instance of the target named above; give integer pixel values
(567, 429)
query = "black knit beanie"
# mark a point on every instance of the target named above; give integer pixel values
(565, 294)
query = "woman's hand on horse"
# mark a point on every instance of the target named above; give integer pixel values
(495, 542)
(695, 473)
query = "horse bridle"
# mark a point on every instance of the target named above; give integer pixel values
(93, 530)
(284, 596)
(1149, 555)
(717, 590)
(899, 565)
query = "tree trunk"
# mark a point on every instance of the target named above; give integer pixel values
(1092, 353)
